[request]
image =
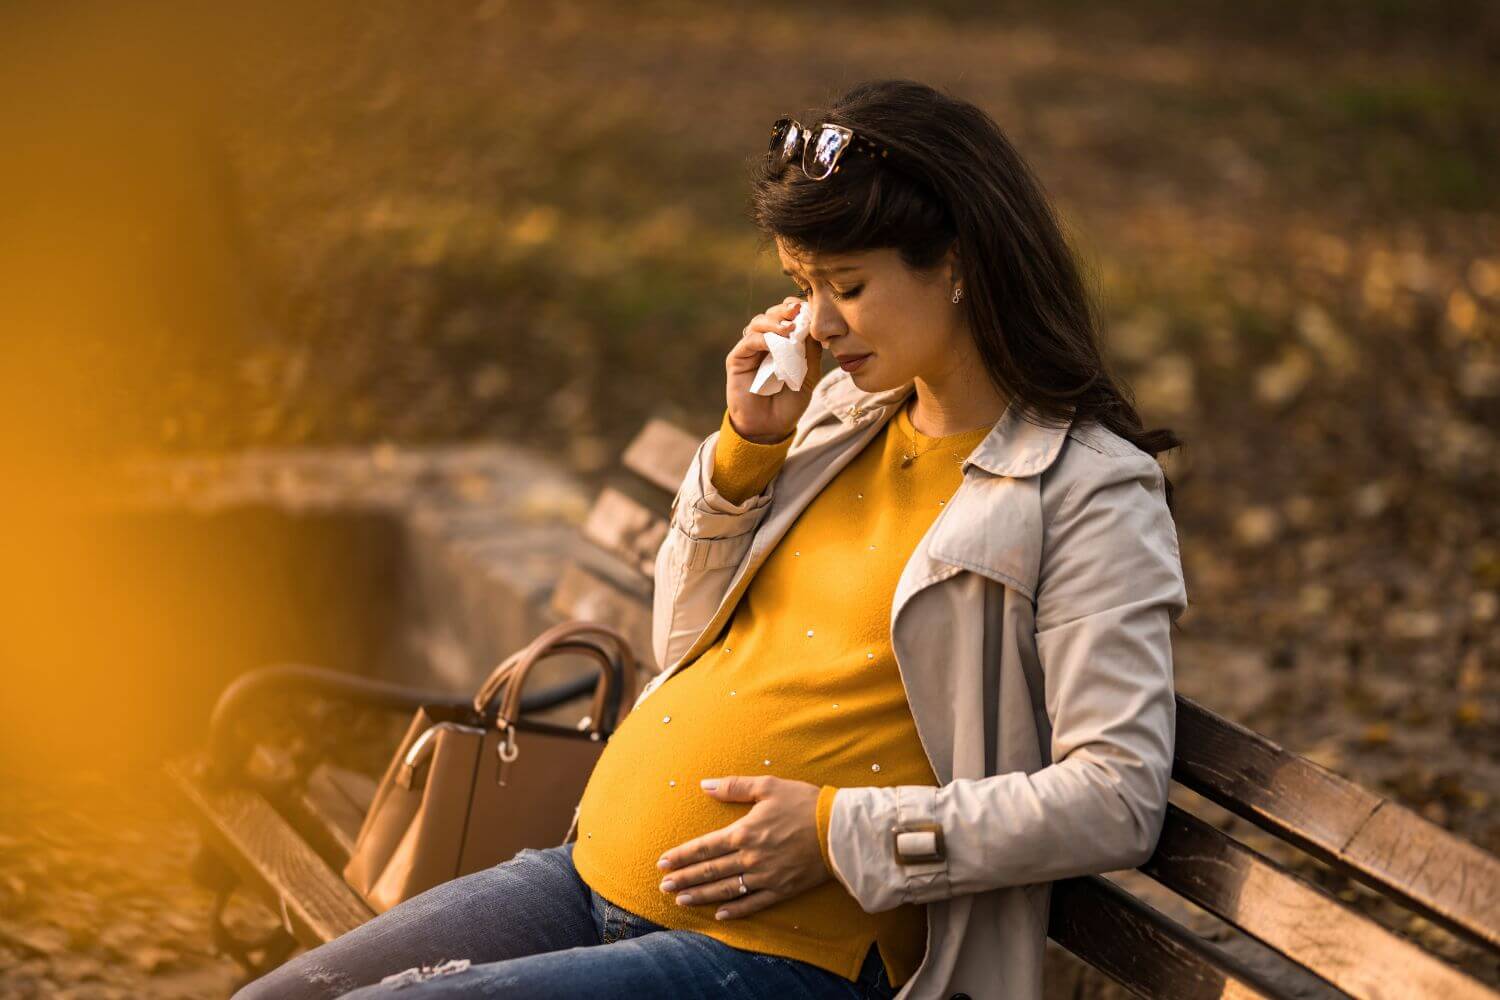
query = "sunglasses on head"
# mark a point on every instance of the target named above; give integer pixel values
(821, 147)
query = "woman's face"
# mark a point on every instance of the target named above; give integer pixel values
(871, 303)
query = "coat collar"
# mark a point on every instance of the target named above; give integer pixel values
(1014, 447)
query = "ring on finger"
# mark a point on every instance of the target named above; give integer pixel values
(743, 887)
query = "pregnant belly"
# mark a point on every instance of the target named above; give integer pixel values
(643, 798)
(711, 721)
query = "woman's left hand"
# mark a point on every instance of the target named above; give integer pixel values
(775, 845)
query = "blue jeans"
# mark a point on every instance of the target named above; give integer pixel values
(530, 927)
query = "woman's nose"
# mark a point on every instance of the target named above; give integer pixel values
(825, 323)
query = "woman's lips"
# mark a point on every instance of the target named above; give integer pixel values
(853, 364)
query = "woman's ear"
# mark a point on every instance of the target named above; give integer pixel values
(951, 262)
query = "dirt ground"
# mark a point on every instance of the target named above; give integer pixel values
(410, 224)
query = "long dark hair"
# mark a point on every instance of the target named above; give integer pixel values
(952, 175)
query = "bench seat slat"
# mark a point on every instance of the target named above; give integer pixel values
(1300, 920)
(330, 811)
(270, 856)
(1384, 845)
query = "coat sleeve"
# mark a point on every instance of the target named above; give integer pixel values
(707, 537)
(1110, 585)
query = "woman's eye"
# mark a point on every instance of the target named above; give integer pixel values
(851, 293)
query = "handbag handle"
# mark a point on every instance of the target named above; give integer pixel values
(562, 637)
(570, 633)
(501, 674)
(613, 667)
(497, 678)
(570, 636)
(494, 681)
(564, 630)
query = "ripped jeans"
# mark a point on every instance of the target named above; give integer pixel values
(530, 927)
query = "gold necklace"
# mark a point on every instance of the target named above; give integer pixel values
(908, 457)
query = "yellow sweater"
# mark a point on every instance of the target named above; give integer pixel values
(801, 684)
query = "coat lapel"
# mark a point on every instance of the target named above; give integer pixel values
(993, 524)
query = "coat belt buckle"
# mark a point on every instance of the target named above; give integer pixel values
(918, 843)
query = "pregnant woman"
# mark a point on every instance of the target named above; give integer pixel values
(913, 620)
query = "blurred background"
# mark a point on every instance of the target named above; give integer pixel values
(376, 227)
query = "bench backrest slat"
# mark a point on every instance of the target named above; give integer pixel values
(1298, 919)
(1384, 845)
(581, 593)
(626, 529)
(661, 454)
(1141, 949)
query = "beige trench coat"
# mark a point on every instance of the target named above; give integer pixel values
(1031, 630)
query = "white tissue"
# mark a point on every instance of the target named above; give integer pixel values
(786, 365)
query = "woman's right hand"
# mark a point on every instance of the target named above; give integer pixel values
(768, 419)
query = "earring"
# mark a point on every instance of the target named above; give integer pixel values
(958, 293)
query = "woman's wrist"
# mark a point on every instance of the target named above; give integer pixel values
(762, 439)
(742, 468)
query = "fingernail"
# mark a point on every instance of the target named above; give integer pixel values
(663, 864)
(722, 915)
(667, 885)
(786, 324)
(685, 899)
(709, 784)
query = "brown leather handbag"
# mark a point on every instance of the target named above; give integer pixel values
(471, 786)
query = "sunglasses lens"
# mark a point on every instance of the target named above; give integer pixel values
(794, 137)
(822, 152)
(785, 138)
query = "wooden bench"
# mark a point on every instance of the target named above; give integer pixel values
(1277, 934)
